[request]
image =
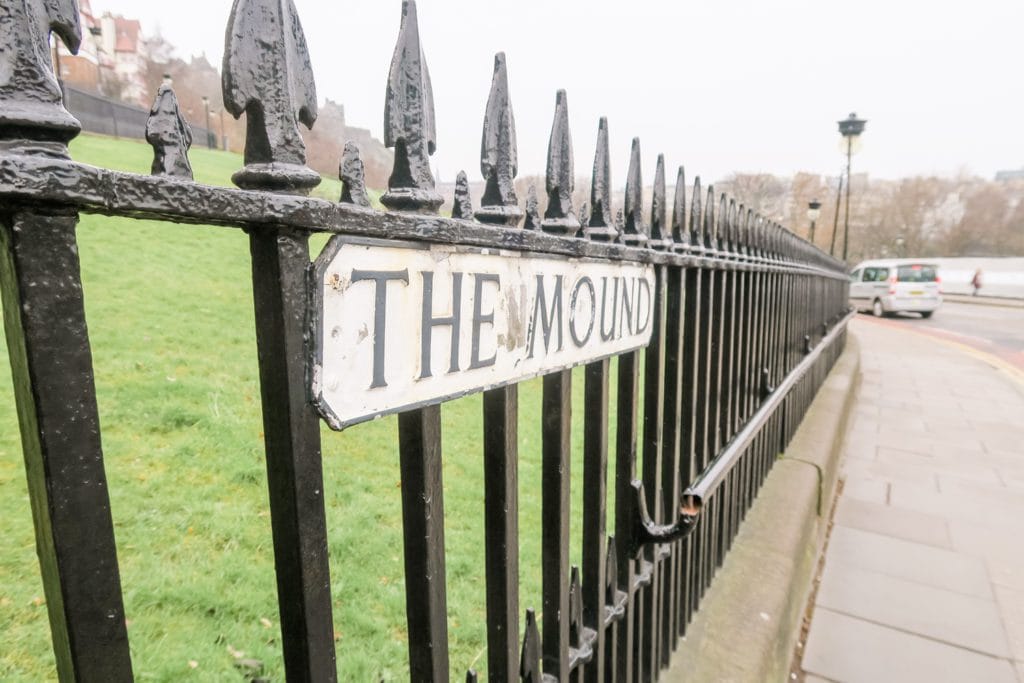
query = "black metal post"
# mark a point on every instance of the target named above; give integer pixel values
(849, 182)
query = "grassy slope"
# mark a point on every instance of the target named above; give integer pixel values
(170, 319)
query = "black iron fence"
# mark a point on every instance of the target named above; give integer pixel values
(716, 363)
(99, 114)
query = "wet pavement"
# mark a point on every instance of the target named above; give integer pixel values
(924, 572)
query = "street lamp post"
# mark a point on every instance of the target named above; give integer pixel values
(209, 138)
(813, 213)
(850, 128)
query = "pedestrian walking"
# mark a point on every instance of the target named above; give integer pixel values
(976, 282)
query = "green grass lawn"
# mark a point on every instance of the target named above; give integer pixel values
(171, 323)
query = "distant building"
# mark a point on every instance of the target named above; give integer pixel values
(1007, 176)
(111, 59)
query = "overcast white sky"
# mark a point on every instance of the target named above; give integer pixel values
(722, 86)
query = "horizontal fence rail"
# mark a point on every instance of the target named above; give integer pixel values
(715, 326)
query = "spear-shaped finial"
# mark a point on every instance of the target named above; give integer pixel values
(559, 217)
(462, 206)
(601, 226)
(532, 221)
(32, 112)
(529, 661)
(680, 237)
(169, 135)
(731, 224)
(709, 219)
(499, 156)
(409, 122)
(635, 233)
(742, 224)
(661, 238)
(696, 216)
(722, 224)
(611, 574)
(267, 76)
(353, 177)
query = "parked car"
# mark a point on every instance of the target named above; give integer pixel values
(895, 285)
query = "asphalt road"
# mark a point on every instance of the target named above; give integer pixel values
(996, 329)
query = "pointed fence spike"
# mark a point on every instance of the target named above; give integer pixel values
(268, 77)
(721, 222)
(559, 218)
(169, 135)
(32, 113)
(709, 219)
(353, 177)
(731, 227)
(584, 217)
(742, 228)
(601, 224)
(532, 221)
(680, 236)
(529, 661)
(611, 573)
(575, 609)
(462, 207)
(635, 232)
(471, 676)
(620, 222)
(409, 122)
(660, 236)
(499, 156)
(696, 215)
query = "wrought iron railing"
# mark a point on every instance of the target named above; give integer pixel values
(745, 321)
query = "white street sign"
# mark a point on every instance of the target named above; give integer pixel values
(401, 325)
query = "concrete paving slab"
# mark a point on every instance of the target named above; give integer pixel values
(972, 507)
(852, 650)
(1011, 607)
(954, 618)
(896, 522)
(891, 472)
(871, 491)
(911, 561)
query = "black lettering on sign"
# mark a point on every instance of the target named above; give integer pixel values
(429, 322)
(608, 332)
(480, 319)
(628, 298)
(591, 312)
(540, 306)
(642, 287)
(381, 278)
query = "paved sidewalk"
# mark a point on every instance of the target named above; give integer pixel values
(924, 573)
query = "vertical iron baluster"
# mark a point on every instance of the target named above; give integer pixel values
(595, 442)
(625, 472)
(654, 405)
(501, 503)
(267, 76)
(419, 437)
(409, 127)
(556, 457)
(556, 421)
(51, 363)
(672, 430)
(291, 426)
(595, 490)
(499, 206)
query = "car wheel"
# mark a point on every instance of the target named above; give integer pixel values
(926, 314)
(877, 309)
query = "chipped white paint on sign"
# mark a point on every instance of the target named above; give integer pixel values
(404, 325)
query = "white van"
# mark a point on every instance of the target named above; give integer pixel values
(895, 285)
